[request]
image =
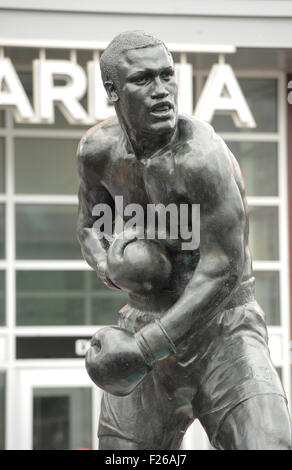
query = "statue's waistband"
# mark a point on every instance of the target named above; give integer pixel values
(242, 295)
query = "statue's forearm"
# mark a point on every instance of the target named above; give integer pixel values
(202, 298)
(204, 295)
(94, 249)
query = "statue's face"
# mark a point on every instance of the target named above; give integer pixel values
(147, 90)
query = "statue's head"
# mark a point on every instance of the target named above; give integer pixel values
(138, 74)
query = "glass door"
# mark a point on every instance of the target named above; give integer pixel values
(55, 409)
(62, 418)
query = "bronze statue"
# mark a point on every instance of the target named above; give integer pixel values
(192, 341)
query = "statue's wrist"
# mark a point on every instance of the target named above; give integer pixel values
(154, 343)
(101, 267)
(103, 276)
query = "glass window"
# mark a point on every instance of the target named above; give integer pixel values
(62, 418)
(2, 231)
(2, 165)
(105, 306)
(280, 372)
(65, 298)
(261, 96)
(2, 118)
(22, 56)
(46, 166)
(2, 298)
(268, 295)
(84, 56)
(263, 233)
(259, 165)
(2, 410)
(46, 232)
(57, 54)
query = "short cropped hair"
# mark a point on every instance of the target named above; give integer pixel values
(124, 42)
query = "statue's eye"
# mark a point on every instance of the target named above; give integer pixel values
(167, 75)
(141, 80)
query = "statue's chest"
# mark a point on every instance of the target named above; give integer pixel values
(164, 180)
(157, 180)
(125, 179)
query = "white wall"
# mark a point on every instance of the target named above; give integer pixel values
(261, 23)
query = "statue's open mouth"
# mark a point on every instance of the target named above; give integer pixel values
(162, 109)
(163, 106)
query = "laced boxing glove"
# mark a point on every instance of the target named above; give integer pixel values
(118, 360)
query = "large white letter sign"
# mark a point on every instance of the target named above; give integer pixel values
(211, 100)
(67, 96)
(97, 99)
(12, 94)
(184, 74)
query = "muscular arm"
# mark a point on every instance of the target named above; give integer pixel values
(213, 184)
(91, 192)
(219, 271)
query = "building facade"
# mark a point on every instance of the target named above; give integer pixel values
(51, 302)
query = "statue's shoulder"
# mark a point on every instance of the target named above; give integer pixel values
(206, 162)
(193, 126)
(96, 144)
(207, 150)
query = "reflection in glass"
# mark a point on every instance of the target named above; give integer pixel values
(2, 410)
(61, 418)
(263, 233)
(53, 163)
(65, 298)
(261, 96)
(268, 295)
(2, 231)
(259, 165)
(46, 232)
(2, 165)
(2, 298)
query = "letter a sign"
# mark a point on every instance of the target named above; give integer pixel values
(213, 99)
(12, 94)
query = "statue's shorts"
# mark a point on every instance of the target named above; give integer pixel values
(225, 362)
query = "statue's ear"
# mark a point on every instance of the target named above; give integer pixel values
(111, 91)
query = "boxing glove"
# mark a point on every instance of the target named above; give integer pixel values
(118, 360)
(139, 266)
(102, 274)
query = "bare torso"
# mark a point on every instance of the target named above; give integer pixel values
(164, 178)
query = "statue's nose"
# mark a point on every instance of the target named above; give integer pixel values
(159, 90)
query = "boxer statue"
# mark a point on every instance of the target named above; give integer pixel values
(192, 341)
